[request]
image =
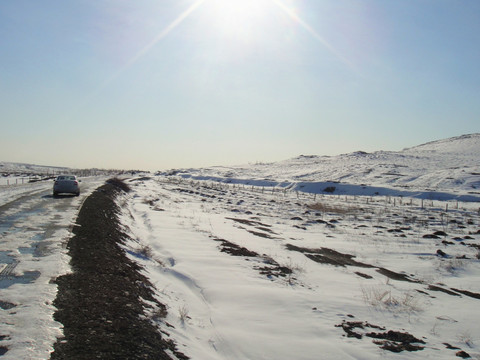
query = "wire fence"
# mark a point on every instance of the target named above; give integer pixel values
(311, 197)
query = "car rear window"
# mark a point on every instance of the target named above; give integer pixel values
(66, 178)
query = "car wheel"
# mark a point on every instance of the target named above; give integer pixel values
(77, 194)
(55, 194)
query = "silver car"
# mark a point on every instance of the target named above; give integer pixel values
(66, 184)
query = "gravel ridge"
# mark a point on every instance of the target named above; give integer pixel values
(101, 303)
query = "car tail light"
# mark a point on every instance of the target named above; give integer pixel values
(75, 182)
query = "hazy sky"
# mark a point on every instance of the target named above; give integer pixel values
(156, 84)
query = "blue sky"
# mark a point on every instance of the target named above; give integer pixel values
(157, 84)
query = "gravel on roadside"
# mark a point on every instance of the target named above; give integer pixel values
(101, 303)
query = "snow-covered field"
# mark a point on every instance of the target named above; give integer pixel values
(255, 274)
(345, 257)
(317, 257)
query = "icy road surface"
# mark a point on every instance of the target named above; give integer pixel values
(34, 229)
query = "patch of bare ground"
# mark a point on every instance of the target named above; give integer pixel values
(390, 340)
(270, 268)
(468, 293)
(234, 249)
(273, 269)
(265, 229)
(333, 257)
(365, 276)
(334, 209)
(101, 304)
(454, 291)
(441, 289)
(328, 256)
(249, 222)
(260, 234)
(396, 276)
(462, 354)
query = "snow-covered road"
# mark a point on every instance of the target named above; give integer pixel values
(34, 228)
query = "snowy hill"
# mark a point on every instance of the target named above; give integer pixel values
(444, 169)
(29, 169)
(468, 145)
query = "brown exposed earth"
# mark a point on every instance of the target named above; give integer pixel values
(394, 341)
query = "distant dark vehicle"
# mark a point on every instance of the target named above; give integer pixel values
(66, 184)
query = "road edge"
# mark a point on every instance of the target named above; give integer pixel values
(101, 303)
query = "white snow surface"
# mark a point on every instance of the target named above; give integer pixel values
(226, 307)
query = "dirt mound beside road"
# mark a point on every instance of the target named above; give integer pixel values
(101, 302)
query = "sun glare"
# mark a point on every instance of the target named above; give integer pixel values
(239, 18)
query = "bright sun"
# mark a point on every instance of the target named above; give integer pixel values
(239, 18)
